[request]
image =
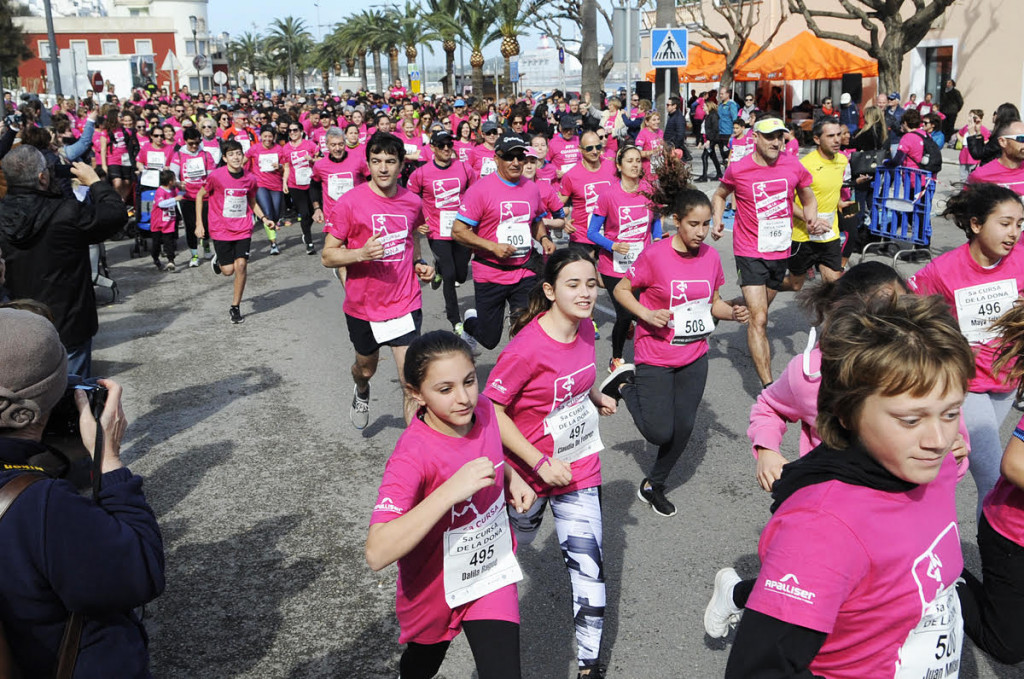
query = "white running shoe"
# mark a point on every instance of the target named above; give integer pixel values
(721, 615)
(461, 331)
(360, 411)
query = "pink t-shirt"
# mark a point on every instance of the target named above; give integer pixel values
(667, 279)
(319, 137)
(415, 145)
(649, 140)
(537, 377)
(583, 186)
(873, 570)
(338, 178)
(628, 218)
(996, 173)
(547, 173)
(192, 170)
(300, 158)
(976, 296)
(503, 213)
(965, 153)
(548, 196)
(267, 165)
(912, 144)
(482, 161)
(792, 148)
(230, 217)
(162, 220)
(764, 205)
(156, 158)
(441, 190)
(212, 146)
(117, 148)
(386, 288)
(464, 150)
(424, 459)
(1004, 504)
(563, 153)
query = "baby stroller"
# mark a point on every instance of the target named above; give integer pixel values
(142, 223)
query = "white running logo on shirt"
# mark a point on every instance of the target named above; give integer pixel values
(466, 506)
(783, 587)
(498, 386)
(387, 505)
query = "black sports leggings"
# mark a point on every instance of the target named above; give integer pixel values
(188, 218)
(452, 260)
(495, 646)
(710, 152)
(622, 317)
(304, 206)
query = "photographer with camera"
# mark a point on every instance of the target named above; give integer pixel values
(63, 553)
(45, 238)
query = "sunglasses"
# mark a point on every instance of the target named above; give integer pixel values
(1019, 138)
(444, 145)
(294, 129)
(491, 132)
(518, 154)
(593, 147)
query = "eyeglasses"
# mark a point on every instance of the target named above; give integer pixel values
(517, 122)
(593, 147)
(156, 136)
(750, 99)
(518, 154)
(295, 129)
(489, 133)
(444, 145)
(1019, 138)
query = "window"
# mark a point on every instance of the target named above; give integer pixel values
(138, 11)
(190, 48)
(143, 46)
(109, 47)
(44, 49)
(80, 46)
(938, 64)
(193, 84)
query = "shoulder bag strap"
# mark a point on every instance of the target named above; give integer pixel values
(8, 494)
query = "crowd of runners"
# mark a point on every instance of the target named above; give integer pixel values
(550, 204)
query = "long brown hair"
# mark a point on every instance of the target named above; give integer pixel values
(539, 302)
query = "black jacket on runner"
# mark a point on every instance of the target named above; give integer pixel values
(45, 239)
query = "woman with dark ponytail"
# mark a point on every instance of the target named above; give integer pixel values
(672, 289)
(545, 394)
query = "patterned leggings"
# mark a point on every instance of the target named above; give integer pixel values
(579, 527)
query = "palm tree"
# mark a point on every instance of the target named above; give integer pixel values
(477, 20)
(513, 17)
(414, 29)
(389, 33)
(443, 18)
(245, 53)
(290, 38)
(361, 34)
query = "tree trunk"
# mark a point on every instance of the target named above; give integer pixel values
(393, 68)
(377, 75)
(665, 16)
(506, 77)
(890, 62)
(478, 82)
(449, 71)
(362, 73)
(590, 77)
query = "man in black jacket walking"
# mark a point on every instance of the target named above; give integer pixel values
(675, 126)
(950, 104)
(45, 239)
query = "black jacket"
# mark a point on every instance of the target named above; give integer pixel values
(984, 151)
(45, 239)
(675, 130)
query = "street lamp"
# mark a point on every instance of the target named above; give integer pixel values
(317, 5)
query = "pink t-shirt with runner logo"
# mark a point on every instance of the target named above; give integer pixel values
(995, 172)
(230, 217)
(1004, 504)
(977, 296)
(162, 220)
(649, 140)
(117, 148)
(874, 570)
(424, 459)
(481, 159)
(154, 158)
(192, 170)
(502, 213)
(300, 159)
(441, 190)
(764, 205)
(583, 187)
(667, 279)
(386, 288)
(267, 165)
(537, 377)
(627, 218)
(338, 178)
(464, 150)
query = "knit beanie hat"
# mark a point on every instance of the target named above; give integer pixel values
(33, 368)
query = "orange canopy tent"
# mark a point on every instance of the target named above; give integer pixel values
(703, 65)
(805, 57)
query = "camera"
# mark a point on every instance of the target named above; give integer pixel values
(62, 171)
(63, 420)
(14, 120)
(66, 456)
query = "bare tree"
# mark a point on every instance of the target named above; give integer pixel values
(901, 34)
(741, 16)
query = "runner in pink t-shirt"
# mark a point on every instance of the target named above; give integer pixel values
(650, 139)
(441, 184)
(373, 234)
(861, 557)
(297, 158)
(1008, 169)
(764, 184)
(980, 281)
(163, 220)
(192, 166)
(582, 186)
(232, 206)
(440, 513)
(554, 221)
(544, 388)
(547, 173)
(334, 175)
(155, 155)
(564, 147)
(481, 158)
(672, 290)
(500, 218)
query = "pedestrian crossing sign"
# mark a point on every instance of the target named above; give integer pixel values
(668, 47)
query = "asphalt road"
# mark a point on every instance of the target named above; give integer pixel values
(264, 489)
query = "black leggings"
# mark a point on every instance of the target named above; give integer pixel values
(164, 241)
(491, 299)
(622, 317)
(188, 218)
(452, 261)
(657, 391)
(710, 151)
(994, 610)
(304, 206)
(495, 646)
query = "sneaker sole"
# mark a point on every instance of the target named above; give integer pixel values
(719, 584)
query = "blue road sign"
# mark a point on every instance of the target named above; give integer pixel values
(561, 55)
(668, 47)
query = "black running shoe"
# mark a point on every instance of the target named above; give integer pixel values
(621, 375)
(655, 497)
(236, 315)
